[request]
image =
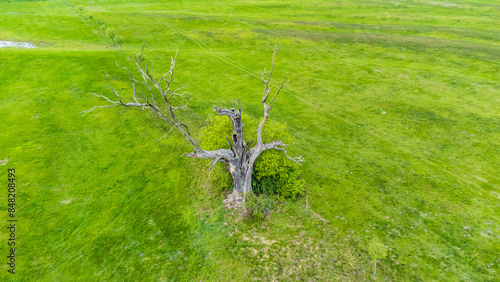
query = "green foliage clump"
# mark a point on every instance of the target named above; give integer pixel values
(377, 251)
(265, 185)
(79, 8)
(258, 207)
(111, 33)
(273, 172)
(119, 40)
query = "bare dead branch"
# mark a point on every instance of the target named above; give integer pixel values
(138, 81)
(102, 96)
(182, 107)
(277, 145)
(175, 91)
(298, 159)
(165, 134)
(145, 77)
(87, 111)
(213, 163)
(171, 71)
(248, 145)
(224, 112)
(139, 59)
(107, 82)
(185, 127)
(267, 91)
(132, 80)
(283, 84)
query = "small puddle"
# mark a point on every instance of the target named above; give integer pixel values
(16, 44)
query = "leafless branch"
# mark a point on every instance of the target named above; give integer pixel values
(182, 107)
(298, 159)
(283, 84)
(102, 96)
(165, 134)
(213, 163)
(107, 82)
(87, 111)
(145, 77)
(278, 145)
(267, 91)
(132, 80)
(171, 71)
(153, 85)
(175, 91)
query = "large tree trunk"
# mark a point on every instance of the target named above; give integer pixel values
(241, 185)
(240, 165)
(242, 176)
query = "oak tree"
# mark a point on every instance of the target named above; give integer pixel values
(239, 157)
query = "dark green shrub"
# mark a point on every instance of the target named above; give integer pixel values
(266, 185)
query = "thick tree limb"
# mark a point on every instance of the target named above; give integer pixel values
(276, 145)
(235, 117)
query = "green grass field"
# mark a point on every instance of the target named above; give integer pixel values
(394, 105)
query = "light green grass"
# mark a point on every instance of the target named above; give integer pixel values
(380, 94)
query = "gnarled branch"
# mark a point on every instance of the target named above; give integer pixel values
(267, 91)
(276, 145)
(167, 111)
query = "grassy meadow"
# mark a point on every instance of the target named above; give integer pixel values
(395, 106)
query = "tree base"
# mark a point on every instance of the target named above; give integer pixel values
(234, 201)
